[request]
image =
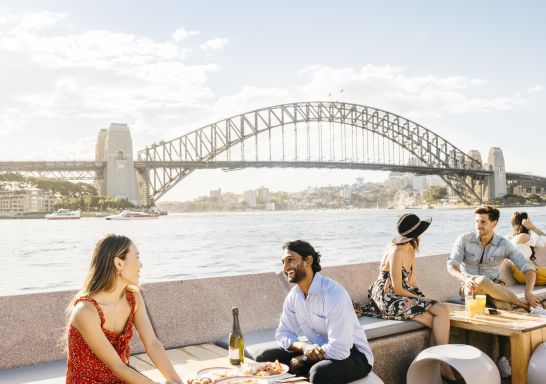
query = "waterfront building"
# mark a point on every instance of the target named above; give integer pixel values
(262, 195)
(34, 200)
(250, 198)
(216, 194)
(345, 192)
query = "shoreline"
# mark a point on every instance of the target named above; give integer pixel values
(41, 215)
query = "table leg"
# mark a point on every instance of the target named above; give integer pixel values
(520, 351)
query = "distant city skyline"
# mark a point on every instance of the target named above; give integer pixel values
(471, 72)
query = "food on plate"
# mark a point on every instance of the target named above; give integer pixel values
(246, 381)
(200, 380)
(250, 367)
(270, 369)
(217, 373)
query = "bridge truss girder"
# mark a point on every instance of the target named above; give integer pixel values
(67, 170)
(209, 142)
(64, 175)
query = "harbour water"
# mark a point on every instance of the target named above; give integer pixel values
(39, 255)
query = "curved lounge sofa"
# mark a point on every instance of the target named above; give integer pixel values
(198, 311)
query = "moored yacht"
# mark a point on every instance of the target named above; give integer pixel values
(64, 214)
(133, 215)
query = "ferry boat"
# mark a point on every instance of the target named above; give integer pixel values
(132, 215)
(64, 214)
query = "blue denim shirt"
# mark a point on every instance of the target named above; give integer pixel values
(467, 252)
(326, 317)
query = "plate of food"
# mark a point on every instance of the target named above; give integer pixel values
(217, 373)
(264, 369)
(200, 380)
(242, 380)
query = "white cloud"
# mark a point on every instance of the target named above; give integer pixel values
(181, 34)
(214, 44)
(10, 121)
(536, 88)
(386, 87)
(96, 74)
(17, 23)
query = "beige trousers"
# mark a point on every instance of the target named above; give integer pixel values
(500, 296)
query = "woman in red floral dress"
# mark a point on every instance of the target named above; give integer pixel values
(101, 319)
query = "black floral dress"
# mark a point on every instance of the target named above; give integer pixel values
(385, 304)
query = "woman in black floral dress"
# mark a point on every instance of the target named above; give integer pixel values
(395, 296)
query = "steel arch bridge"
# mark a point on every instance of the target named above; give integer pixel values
(311, 135)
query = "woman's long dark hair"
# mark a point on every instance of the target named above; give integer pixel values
(517, 223)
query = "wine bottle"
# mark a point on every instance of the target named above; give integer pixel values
(236, 343)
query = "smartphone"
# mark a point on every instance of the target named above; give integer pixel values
(493, 311)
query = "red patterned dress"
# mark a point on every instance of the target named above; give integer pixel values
(83, 366)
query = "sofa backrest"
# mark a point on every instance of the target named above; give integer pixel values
(33, 326)
(190, 311)
(197, 311)
(431, 273)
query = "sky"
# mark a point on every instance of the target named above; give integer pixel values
(472, 72)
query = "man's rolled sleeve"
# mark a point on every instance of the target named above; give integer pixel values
(288, 325)
(339, 321)
(457, 252)
(518, 259)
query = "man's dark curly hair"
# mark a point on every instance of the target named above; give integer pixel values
(488, 210)
(304, 249)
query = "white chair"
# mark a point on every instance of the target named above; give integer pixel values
(472, 364)
(536, 373)
(372, 378)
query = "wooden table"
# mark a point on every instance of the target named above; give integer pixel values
(525, 331)
(187, 361)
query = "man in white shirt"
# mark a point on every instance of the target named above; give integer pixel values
(337, 351)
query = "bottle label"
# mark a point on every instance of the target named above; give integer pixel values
(234, 353)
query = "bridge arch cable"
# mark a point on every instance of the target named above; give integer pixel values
(383, 136)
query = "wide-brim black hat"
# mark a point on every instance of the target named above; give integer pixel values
(409, 227)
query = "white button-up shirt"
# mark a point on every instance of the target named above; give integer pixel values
(326, 317)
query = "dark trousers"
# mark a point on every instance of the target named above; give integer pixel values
(352, 368)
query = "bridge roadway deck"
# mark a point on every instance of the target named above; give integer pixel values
(308, 164)
(94, 165)
(75, 165)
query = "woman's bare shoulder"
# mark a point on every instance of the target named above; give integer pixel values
(522, 238)
(84, 313)
(139, 300)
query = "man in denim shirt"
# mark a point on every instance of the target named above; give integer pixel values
(475, 260)
(476, 257)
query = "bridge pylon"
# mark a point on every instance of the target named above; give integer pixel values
(497, 182)
(115, 147)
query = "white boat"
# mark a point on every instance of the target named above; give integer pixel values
(64, 214)
(132, 215)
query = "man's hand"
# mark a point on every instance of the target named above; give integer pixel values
(470, 284)
(314, 352)
(532, 299)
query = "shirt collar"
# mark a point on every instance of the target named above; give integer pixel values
(315, 285)
(494, 240)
